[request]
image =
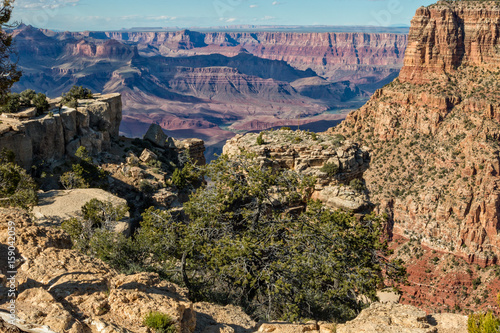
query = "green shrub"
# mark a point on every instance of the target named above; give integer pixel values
(74, 94)
(483, 323)
(178, 179)
(26, 97)
(476, 282)
(189, 174)
(357, 185)
(12, 104)
(159, 322)
(102, 214)
(146, 187)
(285, 128)
(331, 169)
(70, 180)
(94, 234)
(260, 140)
(40, 102)
(17, 188)
(85, 169)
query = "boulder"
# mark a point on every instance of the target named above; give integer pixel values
(24, 113)
(156, 136)
(147, 155)
(55, 207)
(62, 290)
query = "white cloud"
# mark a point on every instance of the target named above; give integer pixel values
(229, 20)
(254, 6)
(45, 4)
(275, 3)
(148, 18)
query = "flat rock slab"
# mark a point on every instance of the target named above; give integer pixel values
(4, 128)
(24, 113)
(55, 207)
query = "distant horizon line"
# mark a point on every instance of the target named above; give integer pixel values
(399, 29)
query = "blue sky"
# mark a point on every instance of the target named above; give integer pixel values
(75, 15)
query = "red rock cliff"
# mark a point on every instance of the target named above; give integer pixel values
(447, 35)
(435, 133)
(334, 55)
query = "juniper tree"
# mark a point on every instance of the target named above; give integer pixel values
(8, 69)
(251, 242)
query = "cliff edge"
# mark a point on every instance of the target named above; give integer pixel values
(60, 131)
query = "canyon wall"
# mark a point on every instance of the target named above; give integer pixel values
(434, 133)
(359, 57)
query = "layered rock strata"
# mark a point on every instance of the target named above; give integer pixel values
(435, 133)
(337, 56)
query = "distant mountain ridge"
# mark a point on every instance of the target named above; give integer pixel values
(207, 85)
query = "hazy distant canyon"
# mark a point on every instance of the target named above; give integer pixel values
(210, 85)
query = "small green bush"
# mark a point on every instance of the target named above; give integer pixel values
(146, 187)
(331, 169)
(160, 322)
(357, 185)
(188, 175)
(178, 179)
(40, 102)
(26, 97)
(260, 140)
(74, 94)
(483, 323)
(12, 105)
(70, 180)
(286, 128)
(17, 188)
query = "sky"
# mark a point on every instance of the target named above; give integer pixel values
(79, 15)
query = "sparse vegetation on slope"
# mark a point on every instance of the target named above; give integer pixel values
(17, 188)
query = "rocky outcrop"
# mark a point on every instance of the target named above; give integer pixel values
(194, 149)
(55, 207)
(381, 318)
(396, 318)
(53, 135)
(310, 154)
(447, 35)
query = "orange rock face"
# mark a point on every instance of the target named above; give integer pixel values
(445, 36)
(435, 131)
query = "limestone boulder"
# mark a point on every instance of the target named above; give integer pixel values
(147, 156)
(156, 136)
(57, 206)
(62, 290)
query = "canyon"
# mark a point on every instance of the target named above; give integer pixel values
(212, 85)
